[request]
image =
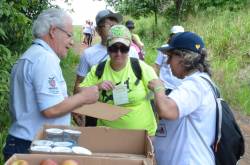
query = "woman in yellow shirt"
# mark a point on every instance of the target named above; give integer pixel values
(119, 85)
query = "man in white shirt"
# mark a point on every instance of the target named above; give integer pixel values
(38, 91)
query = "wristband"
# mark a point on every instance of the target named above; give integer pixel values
(158, 89)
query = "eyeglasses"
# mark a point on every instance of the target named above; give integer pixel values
(115, 48)
(70, 35)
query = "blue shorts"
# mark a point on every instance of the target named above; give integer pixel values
(15, 145)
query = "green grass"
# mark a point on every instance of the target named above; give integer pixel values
(77, 34)
(227, 38)
(3, 136)
(69, 69)
(226, 35)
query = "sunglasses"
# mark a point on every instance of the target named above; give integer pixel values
(116, 48)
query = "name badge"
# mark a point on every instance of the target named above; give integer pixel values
(120, 94)
(161, 130)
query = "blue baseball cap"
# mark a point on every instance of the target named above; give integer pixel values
(184, 41)
(130, 24)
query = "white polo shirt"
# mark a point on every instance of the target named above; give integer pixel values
(165, 73)
(94, 55)
(176, 142)
(87, 29)
(37, 83)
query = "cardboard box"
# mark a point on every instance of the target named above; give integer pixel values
(102, 111)
(35, 159)
(109, 142)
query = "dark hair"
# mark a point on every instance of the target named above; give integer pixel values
(130, 24)
(193, 60)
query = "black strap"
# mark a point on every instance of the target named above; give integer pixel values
(215, 89)
(136, 69)
(216, 95)
(100, 69)
(134, 64)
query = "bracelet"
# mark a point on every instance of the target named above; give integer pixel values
(158, 89)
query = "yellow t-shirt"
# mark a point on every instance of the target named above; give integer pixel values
(141, 115)
(137, 40)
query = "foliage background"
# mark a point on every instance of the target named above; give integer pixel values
(15, 36)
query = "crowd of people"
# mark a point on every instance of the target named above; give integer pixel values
(88, 33)
(113, 72)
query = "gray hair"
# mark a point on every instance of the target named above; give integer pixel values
(193, 60)
(50, 17)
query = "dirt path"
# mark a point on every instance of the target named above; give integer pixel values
(243, 120)
(78, 47)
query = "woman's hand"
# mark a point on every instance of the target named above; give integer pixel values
(106, 85)
(156, 84)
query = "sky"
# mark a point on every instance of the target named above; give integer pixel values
(83, 9)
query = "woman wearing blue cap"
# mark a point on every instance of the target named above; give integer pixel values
(186, 130)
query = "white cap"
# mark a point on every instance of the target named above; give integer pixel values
(177, 29)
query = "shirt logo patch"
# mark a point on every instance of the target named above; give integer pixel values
(53, 85)
(197, 46)
(52, 82)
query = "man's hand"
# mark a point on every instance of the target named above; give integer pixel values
(90, 95)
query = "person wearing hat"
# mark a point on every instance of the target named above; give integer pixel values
(91, 56)
(88, 32)
(118, 84)
(176, 29)
(136, 41)
(164, 70)
(188, 112)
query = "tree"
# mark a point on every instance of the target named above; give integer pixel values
(178, 6)
(137, 8)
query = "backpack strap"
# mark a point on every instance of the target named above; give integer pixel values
(217, 97)
(136, 69)
(213, 86)
(218, 118)
(100, 69)
(198, 133)
(134, 64)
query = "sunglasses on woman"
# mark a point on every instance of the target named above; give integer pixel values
(115, 48)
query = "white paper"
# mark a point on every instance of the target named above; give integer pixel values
(120, 94)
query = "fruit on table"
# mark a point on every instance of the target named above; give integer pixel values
(69, 162)
(20, 162)
(48, 162)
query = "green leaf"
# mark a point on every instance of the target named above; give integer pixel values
(2, 34)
